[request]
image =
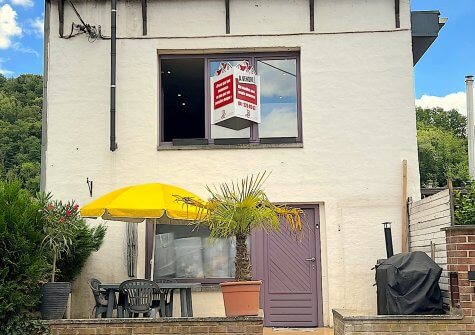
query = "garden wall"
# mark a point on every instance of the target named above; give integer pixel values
(239, 325)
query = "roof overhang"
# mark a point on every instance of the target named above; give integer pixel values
(425, 30)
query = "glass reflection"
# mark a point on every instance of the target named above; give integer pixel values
(278, 97)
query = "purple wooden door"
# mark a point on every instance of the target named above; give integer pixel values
(291, 291)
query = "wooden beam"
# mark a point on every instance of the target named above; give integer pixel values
(404, 206)
(144, 17)
(61, 17)
(228, 24)
(397, 12)
(452, 201)
(312, 14)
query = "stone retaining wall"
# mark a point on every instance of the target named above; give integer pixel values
(197, 326)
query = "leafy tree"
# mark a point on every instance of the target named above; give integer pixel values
(451, 120)
(20, 129)
(442, 146)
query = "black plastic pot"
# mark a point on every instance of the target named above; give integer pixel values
(54, 300)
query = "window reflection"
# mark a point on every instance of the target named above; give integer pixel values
(183, 251)
(278, 97)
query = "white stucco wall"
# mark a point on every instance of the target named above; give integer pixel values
(358, 124)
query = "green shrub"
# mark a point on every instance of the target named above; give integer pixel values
(23, 265)
(84, 241)
(25, 325)
(465, 206)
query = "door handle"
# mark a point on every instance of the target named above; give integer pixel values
(313, 259)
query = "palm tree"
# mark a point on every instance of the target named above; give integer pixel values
(237, 208)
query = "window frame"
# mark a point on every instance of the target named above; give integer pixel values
(208, 58)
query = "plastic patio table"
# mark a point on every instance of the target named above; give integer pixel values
(185, 296)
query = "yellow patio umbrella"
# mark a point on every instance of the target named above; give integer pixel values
(146, 201)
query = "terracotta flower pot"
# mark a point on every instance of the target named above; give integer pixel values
(241, 298)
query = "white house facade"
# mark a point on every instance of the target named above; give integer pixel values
(337, 121)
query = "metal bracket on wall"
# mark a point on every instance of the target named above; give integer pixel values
(144, 17)
(89, 185)
(61, 17)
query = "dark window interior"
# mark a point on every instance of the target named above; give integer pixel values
(183, 92)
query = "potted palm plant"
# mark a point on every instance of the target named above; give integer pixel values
(59, 229)
(234, 210)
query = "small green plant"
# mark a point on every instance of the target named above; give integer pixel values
(61, 221)
(464, 210)
(85, 241)
(237, 208)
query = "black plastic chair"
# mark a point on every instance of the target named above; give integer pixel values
(166, 294)
(100, 297)
(138, 296)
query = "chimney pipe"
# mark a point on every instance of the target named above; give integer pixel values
(389, 239)
(470, 127)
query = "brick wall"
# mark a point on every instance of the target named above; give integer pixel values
(461, 260)
(348, 323)
(196, 326)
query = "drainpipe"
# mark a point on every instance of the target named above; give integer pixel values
(44, 113)
(113, 144)
(470, 127)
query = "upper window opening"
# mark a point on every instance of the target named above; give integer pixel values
(183, 97)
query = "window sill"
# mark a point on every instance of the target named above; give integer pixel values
(230, 146)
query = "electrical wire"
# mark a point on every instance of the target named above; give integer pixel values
(277, 68)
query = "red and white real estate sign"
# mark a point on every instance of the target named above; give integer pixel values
(235, 96)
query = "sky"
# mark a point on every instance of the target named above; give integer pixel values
(439, 75)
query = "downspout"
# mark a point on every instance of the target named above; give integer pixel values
(470, 127)
(44, 112)
(113, 144)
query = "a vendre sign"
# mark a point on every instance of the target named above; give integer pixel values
(235, 98)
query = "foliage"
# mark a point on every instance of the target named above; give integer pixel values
(442, 146)
(23, 265)
(464, 210)
(20, 129)
(451, 120)
(60, 227)
(25, 324)
(237, 208)
(85, 240)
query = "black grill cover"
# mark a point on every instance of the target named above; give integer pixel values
(407, 284)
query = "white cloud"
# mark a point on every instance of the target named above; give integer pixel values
(9, 27)
(38, 25)
(276, 78)
(22, 3)
(280, 122)
(456, 101)
(4, 71)
(17, 46)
